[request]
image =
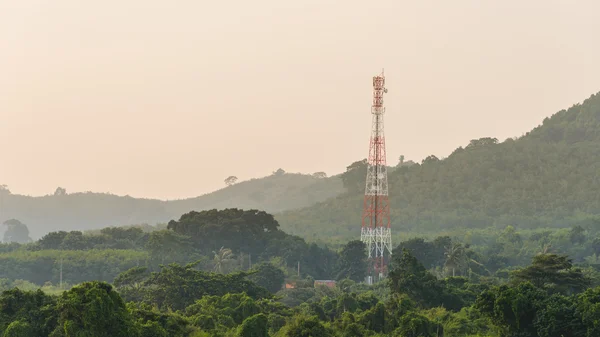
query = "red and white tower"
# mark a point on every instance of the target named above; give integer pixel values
(376, 231)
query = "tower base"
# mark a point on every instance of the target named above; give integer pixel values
(378, 241)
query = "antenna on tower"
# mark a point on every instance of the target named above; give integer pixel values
(376, 231)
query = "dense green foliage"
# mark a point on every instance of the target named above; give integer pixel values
(247, 231)
(548, 177)
(82, 211)
(268, 276)
(244, 240)
(78, 266)
(223, 241)
(221, 273)
(353, 261)
(183, 301)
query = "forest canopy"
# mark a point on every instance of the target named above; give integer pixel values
(546, 178)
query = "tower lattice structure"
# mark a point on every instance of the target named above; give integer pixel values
(376, 231)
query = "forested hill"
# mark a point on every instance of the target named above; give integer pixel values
(81, 211)
(549, 177)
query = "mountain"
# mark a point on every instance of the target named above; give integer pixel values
(549, 177)
(84, 211)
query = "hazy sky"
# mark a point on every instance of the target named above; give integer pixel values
(165, 99)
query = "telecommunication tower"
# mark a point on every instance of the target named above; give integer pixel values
(376, 231)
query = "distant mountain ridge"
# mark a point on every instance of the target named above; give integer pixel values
(84, 211)
(548, 177)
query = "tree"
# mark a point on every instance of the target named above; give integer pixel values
(279, 172)
(242, 230)
(526, 310)
(408, 276)
(320, 175)
(254, 326)
(577, 235)
(16, 232)
(486, 141)
(93, 309)
(355, 175)
(354, 330)
(165, 289)
(554, 273)
(374, 318)
(558, 316)
(155, 323)
(512, 308)
(231, 180)
(60, 191)
(401, 160)
(152, 329)
(456, 257)
(52, 240)
(268, 276)
(588, 304)
(430, 254)
(169, 246)
(18, 329)
(414, 325)
(27, 313)
(130, 282)
(430, 160)
(222, 256)
(304, 326)
(545, 249)
(131, 234)
(353, 261)
(510, 236)
(75, 240)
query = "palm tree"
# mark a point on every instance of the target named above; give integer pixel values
(221, 258)
(455, 257)
(546, 247)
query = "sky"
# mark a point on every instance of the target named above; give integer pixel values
(165, 99)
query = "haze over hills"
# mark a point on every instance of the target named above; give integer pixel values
(548, 177)
(84, 211)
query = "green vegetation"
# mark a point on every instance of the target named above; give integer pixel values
(203, 238)
(547, 178)
(498, 240)
(457, 296)
(222, 273)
